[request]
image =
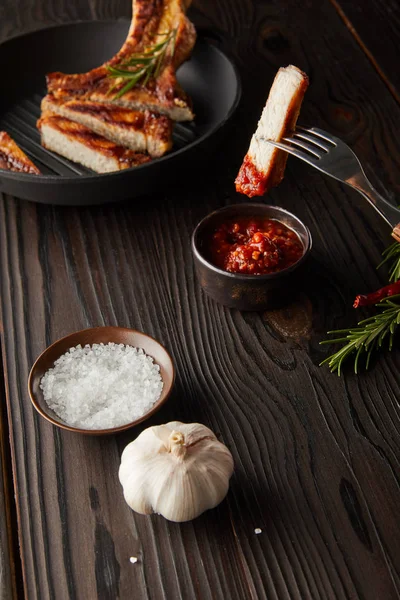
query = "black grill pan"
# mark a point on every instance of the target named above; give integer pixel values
(209, 78)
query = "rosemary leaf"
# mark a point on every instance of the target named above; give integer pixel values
(131, 83)
(367, 337)
(116, 72)
(337, 340)
(142, 66)
(145, 59)
(392, 254)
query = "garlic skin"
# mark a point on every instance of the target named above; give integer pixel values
(177, 470)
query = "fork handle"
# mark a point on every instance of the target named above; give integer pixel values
(387, 211)
(396, 233)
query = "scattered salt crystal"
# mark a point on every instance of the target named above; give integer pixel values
(257, 530)
(102, 386)
(133, 559)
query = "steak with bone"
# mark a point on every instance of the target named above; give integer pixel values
(151, 21)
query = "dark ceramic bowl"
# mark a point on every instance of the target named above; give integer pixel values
(238, 290)
(97, 335)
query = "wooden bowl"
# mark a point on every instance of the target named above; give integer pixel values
(118, 335)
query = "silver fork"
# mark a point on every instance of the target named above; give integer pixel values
(330, 155)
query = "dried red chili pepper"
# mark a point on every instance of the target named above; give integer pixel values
(375, 297)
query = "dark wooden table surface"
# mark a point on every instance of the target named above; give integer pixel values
(317, 457)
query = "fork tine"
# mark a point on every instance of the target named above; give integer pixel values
(314, 140)
(320, 133)
(290, 150)
(307, 147)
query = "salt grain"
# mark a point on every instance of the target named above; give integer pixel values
(133, 559)
(102, 386)
(257, 531)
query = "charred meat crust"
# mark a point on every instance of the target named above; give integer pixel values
(12, 158)
(145, 19)
(88, 138)
(139, 130)
(277, 171)
(148, 122)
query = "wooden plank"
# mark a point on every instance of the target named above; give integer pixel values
(316, 457)
(375, 25)
(7, 571)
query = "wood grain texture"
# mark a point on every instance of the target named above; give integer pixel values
(316, 457)
(8, 590)
(375, 25)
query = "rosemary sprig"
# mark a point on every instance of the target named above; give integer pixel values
(392, 254)
(142, 66)
(367, 336)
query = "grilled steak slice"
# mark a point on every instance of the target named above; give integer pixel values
(139, 131)
(81, 145)
(264, 166)
(12, 158)
(151, 20)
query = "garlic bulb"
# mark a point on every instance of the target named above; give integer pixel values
(177, 470)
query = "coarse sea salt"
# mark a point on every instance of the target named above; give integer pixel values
(102, 386)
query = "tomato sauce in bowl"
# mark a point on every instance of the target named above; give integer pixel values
(251, 256)
(254, 246)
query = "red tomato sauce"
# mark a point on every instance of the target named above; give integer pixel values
(255, 246)
(250, 181)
